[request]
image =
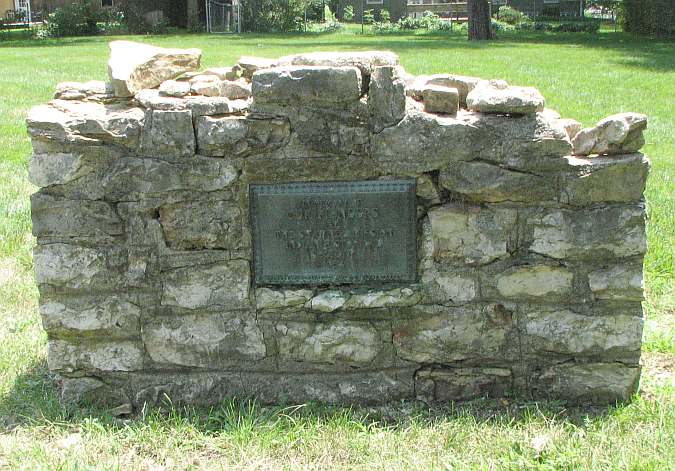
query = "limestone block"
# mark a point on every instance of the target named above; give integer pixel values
(327, 301)
(174, 88)
(92, 90)
(419, 143)
(604, 179)
(427, 189)
(595, 383)
(619, 282)
(462, 83)
(359, 387)
(235, 90)
(54, 169)
(209, 106)
(77, 267)
(210, 224)
(103, 316)
(135, 66)
(617, 134)
(153, 99)
(537, 281)
(443, 287)
(439, 99)
(132, 178)
(61, 218)
(74, 121)
(564, 332)
(461, 384)
(366, 61)
(248, 65)
(108, 356)
(571, 127)
(169, 134)
(267, 298)
(204, 340)
(207, 88)
(338, 342)
(306, 84)
(474, 235)
(89, 391)
(222, 285)
(239, 136)
(450, 335)
(617, 231)
(379, 299)
(482, 181)
(531, 143)
(496, 96)
(386, 97)
(223, 73)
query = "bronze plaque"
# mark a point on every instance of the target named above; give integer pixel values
(334, 232)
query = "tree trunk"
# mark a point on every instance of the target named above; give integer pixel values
(193, 15)
(479, 20)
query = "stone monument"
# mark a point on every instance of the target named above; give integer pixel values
(328, 227)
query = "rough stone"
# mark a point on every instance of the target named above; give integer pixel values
(249, 65)
(496, 96)
(481, 181)
(204, 340)
(462, 83)
(566, 333)
(174, 88)
(121, 355)
(439, 99)
(328, 301)
(601, 383)
(267, 298)
(306, 84)
(86, 122)
(169, 134)
(112, 316)
(571, 126)
(605, 179)
(54, 169)
(198, 225)
(538, 281)
(380, 299)
(235, 136)
(564, 234)
(366, 61)
(473, 236)
(386, 97)
(223, 73)
(454, 335)
(57, 217)
(461, 384)
(94, 89)
(223, 285)
(443, 288)
(619, 282)
(135, 66)
(329, 343)
(617, 134)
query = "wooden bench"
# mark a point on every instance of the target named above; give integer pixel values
(454, 11)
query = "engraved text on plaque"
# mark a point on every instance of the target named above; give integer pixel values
(334, 232)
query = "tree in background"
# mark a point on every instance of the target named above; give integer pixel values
(656, 17)
(479, 20)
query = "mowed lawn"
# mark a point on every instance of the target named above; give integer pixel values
(583, 77)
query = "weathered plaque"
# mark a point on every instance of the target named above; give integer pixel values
(334, 232)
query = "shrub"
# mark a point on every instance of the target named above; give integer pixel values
(385, 17)
(348, 14)
(564, 27)
(368, 17)
(75, 19)
(272, 16)
(510, 15)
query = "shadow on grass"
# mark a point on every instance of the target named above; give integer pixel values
(33, 402)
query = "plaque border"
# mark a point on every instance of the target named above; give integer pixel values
(403, 185)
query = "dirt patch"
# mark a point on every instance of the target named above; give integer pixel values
(659, 370)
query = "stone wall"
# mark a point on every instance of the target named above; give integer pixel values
(530, 257)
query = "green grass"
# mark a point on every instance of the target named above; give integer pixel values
(584, 77)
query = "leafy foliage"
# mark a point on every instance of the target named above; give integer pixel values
(348, 13)
(75, 19)
(509, 15)
(654, 17)
(272, 16)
